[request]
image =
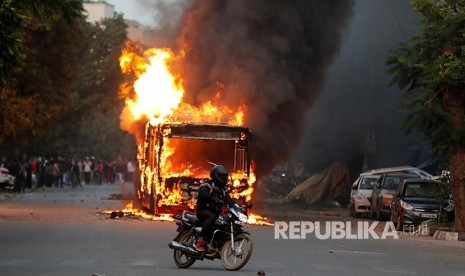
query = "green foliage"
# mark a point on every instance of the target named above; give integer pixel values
(59, 79)
(90, 127)
(38, 68)
(19, 16)
(13, 15)
(443, 194)
(429, 64)
(99, 74)
(438, 11)
(98, 134)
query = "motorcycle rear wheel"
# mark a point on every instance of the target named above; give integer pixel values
(182, 260)
(236, 259)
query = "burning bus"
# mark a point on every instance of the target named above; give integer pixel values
(177, 142)
(175, 158)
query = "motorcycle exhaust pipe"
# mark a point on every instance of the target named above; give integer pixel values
(184, 249)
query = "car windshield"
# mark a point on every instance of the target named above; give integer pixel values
(429, 190)
(367, 183)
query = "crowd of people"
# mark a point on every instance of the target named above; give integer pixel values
(39, 172)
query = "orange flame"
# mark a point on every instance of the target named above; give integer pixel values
(129, 209)
(258, 220)
(158, 92)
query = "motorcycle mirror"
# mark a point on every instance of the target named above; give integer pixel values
(249, 205)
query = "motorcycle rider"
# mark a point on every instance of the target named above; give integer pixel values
(212, 195)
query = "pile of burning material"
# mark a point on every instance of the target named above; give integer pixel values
(134, 213)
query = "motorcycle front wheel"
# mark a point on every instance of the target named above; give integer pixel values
(237, 258)
(182, 260)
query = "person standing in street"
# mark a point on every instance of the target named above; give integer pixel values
(87, 170)
(119, 169)
(131, 169)
(75, 179)
(57, 175)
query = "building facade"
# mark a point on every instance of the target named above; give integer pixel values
(98, 10)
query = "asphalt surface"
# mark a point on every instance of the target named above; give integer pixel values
(63, 232)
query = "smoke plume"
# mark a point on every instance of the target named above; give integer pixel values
(357, 102)
(271, 55)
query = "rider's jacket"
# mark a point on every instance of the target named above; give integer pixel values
(212, 198)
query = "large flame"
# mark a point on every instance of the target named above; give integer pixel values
(158, 92)
(155, 94)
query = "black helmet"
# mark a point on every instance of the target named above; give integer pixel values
(219, 175)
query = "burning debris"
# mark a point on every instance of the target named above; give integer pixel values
(120, 197)
(258, 220)
(116, 214)
(130, 211)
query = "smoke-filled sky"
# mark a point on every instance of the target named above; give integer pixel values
(153, 13)
(357, 98)
(311, 72)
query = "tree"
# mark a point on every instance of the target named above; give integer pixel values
(19, 15)
(91, 124)
(99, 73)
(38, 65)
(59, 80)
(431, 67)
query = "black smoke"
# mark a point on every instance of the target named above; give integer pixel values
(357, 100)
(271, 55)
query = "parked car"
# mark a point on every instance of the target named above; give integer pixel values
(7, 180)
(360, 195)
(402, 169)
(417, 200)
(383, 192)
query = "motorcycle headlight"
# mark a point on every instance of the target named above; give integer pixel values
(243, 218)
(405, 205)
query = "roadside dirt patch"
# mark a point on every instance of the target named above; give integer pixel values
(279, 210)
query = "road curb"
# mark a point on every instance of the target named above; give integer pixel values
(449, 235)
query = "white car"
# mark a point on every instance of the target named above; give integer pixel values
(360, 195)
(402, 169)
(6, 179)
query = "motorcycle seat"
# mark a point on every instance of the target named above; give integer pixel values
(191, 218)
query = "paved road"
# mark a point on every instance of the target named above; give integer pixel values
(59, 232)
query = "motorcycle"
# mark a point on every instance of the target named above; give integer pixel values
(229, 242)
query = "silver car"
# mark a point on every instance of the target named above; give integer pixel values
(360, 196)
